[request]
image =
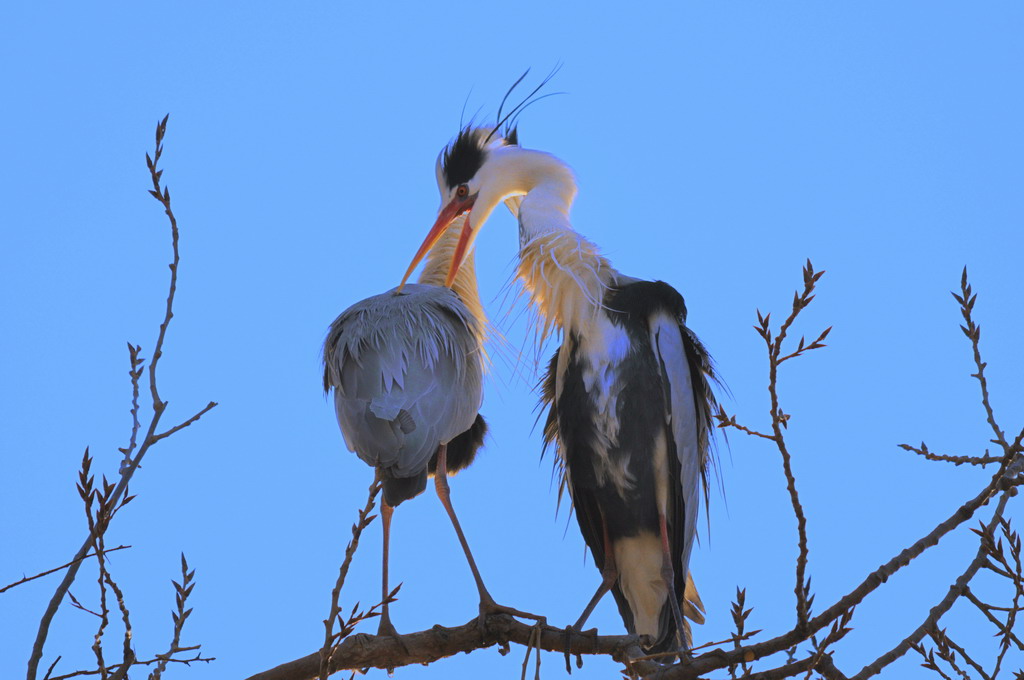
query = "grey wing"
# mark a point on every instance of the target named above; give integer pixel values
(685, 367)
(407, 375)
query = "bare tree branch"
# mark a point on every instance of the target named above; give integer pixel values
(55, 569)
(330, 639)
(139, 662)
(973, 332)
(955, 460)
(130, 464)
(725, 420)
(955, 592)
(367, 651)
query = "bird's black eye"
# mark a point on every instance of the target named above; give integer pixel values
(462, 191)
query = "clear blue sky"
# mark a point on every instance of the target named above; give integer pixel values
(717, 145)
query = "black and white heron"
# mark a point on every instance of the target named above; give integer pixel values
(628, 389)
(407, 369)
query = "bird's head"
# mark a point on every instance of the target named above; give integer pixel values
(472, 178)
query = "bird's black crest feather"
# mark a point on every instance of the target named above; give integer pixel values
(463, 157)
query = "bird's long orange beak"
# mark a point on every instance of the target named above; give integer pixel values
(456, 207)
(460, 252)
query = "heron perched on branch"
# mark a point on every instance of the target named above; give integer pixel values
(406, 368)
(628, 389)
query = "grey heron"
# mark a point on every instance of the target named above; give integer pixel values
(406, 368)
(628, 389)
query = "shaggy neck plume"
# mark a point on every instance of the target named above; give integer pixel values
(564, 273)
(435, 271)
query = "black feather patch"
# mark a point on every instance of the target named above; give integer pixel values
(464, 157)
(463, 448)
(641, 300)
(398, 489)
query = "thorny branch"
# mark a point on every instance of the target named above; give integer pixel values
(56, 569)
(332, 639)
(987, 609)
(955, 460)
(364, 651)
(181, 592)
(140, 662)
(114, 497)
(780, 420)
(779, 423)
(955, 592)
(967, 298)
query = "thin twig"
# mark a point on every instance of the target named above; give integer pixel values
(164, 197)
(931, 621)
(955, 460)
(929, 661)
(183, 425)
(779, 420)
(361, 651)
(146, 662)
(986, 610)
(181, 592)
(725, 420)
(973, 333)
(962, 652)
(330, 642)
(127, 468)
(55, 569)
(718, 658)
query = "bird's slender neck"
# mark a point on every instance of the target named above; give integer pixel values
(435, 271)
(564, 273)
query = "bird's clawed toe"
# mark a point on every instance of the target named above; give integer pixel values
(387, 629)
(489, 606)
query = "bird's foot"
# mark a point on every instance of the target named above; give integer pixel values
(387, 629)
(488, 606)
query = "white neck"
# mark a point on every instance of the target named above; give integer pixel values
(563, 272)
(545, 209)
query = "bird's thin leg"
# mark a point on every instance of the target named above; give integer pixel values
(385, 627)
(669, 575)
(487, 603)
(609, 574)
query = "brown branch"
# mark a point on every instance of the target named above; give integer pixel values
(52, 666)
(55, 569)
(745, 636)
(146, 662)
(725, 420)
(827, 668)
(78, 605)
(929, 661)
(183, 425)
(808, 665)
(1017, 579)
(939, 635)
(368, 651)
(716, 659)
(955, 592)
(181, 592)
(128, 655)
(779, 420)
(955, 460)
(134, 373)
(128, 467)
(973, 333)
(165, 200)
(330, 642)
